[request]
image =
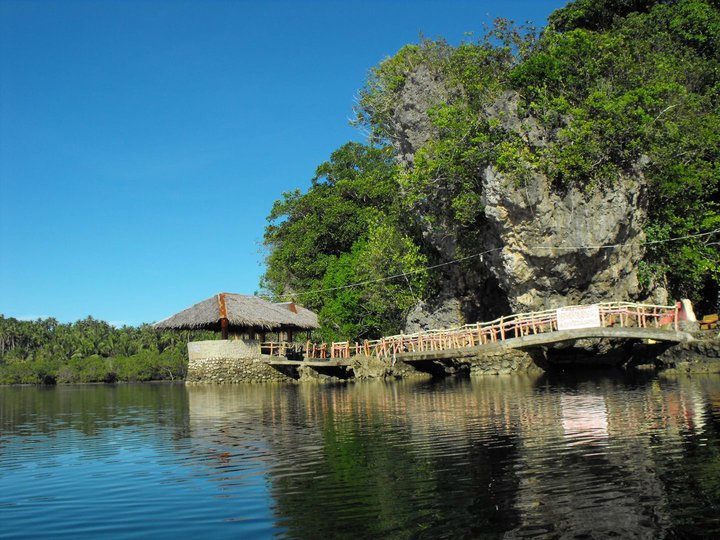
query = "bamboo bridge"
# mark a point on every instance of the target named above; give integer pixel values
(612, 320)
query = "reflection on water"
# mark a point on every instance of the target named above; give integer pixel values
(584, 418)
(599, 454)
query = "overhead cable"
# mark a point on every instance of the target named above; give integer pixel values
(481, 253)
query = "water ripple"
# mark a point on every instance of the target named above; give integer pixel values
(513, 457)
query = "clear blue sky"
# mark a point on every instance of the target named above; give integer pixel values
(142, 143)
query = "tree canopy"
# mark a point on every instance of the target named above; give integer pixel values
(48, 351)
(620, 84)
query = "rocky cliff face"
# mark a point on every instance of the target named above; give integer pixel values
(548, 243)
(545, 243)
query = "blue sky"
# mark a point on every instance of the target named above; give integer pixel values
(142, 143)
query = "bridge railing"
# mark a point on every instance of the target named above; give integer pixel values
(285, 349)
(622, 314)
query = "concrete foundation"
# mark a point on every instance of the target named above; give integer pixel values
(231, 361)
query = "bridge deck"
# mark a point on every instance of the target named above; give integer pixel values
(613, 320)
(536, 340)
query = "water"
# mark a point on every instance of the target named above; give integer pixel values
(596, 455)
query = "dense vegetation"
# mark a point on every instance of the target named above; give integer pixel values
(620, 84)
(348, 228)
(46, 351)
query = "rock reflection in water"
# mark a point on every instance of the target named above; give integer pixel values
(513, 456)
(597, 454)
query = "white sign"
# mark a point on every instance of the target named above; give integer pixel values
(569, 318)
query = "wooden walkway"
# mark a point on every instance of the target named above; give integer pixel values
(614, 320)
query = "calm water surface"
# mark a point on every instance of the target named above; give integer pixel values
(594, 455)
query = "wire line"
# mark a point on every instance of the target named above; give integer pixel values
(481, 253)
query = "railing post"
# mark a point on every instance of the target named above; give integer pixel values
(502, 328)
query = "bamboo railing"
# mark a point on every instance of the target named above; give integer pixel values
(612, 314)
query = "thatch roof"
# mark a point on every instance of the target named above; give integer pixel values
(242, 312)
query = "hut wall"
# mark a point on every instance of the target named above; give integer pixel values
(229, 361)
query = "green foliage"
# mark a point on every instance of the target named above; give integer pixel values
(376, 306)
(347, 228)
(41, 371)
(630, 82)
(47, 352)
(305, 231)
(617, 87)
(698, 25)
(595, 14)
(377, 101)
(470, 73)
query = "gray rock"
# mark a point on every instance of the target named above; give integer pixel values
(701, 356)
(412, 127)
(443, 313)
(547, 243)
(523, 220)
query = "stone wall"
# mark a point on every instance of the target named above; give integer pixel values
(701, 356)
(501, 362)
(235, 361)
(369, 367)
(492, 363)
(230, 361)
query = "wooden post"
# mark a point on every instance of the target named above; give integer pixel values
(222, 313)
(502, 329)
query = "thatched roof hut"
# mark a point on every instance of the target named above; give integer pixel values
(239, 313)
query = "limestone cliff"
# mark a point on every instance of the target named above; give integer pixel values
(543, 243)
